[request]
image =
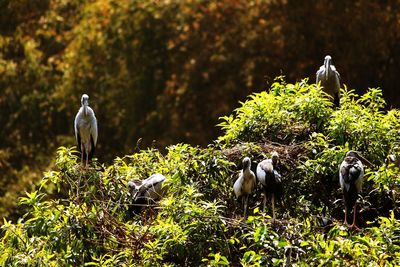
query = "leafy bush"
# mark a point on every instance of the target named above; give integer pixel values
(287, 114)
(82, 217)
(166, 70)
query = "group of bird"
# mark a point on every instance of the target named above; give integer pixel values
(351, 173)
(266, 173)
(351, 170)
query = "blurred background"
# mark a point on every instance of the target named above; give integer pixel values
(165, 71)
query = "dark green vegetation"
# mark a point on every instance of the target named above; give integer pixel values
(167, 70)
(198, 222)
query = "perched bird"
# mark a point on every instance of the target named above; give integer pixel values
(270, 180)
(245, 183)
(351, 175)
(330, 79)
(146, 191)
(86, 130)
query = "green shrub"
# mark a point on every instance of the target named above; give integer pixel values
(287, 113)
(81, 217)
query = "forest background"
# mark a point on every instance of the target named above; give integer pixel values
(163, 72)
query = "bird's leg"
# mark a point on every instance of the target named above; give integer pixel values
(354, 226)
(264, 201)
(245, 207)
(273, 206)
(149, 208)
(82, 150)
(87, 155)
(345, 216)
(242, 200)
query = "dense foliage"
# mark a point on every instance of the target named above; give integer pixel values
(81, 217)
(167, 70)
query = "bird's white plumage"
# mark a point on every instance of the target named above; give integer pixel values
(246, 181)
(262, 168)
(85, 126)
(268, 166)
(270, 179)
(150, 188)
(144, 192)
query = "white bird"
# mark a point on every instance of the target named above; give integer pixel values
(245, 184)
(351, 176)
(270, 179)
(330, 79)
(143, 192)
(86, 130)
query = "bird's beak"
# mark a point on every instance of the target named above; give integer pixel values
(327, 67)
(364, 160)
(85, 105)
(246, 164)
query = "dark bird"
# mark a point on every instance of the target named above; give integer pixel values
(245, 183)
(351, 176)
(330, 79)
(86, 130)
(146, 191)
(270, 180)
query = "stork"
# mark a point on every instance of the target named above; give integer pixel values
(270, 180)
(351, 176)
(245, 183)
(143, 192)
(330, 79)
(86, 130)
